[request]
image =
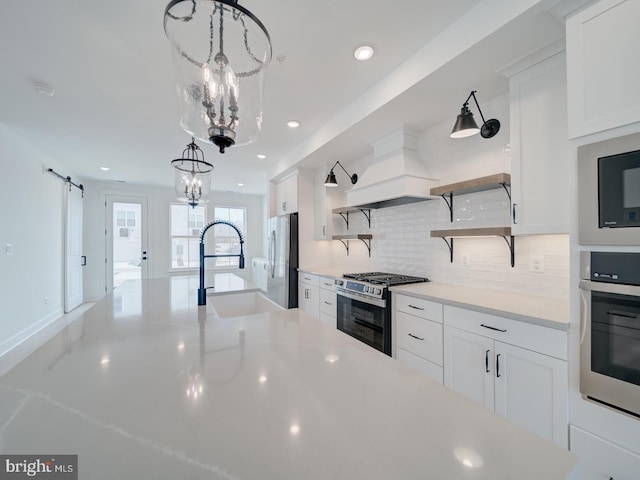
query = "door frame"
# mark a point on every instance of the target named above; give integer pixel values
(110, 199)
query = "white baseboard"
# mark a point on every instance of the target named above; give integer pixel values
(18, 338)
(19, 346)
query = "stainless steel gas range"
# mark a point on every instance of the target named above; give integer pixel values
(364, 306)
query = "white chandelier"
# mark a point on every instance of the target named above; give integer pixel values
(220, 52)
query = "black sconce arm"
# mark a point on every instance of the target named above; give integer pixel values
(354, 177)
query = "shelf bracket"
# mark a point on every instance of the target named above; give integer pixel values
(449, 204)
(368, 245)
(450, 245)
(345, 217)
(507, 188)
(346, 245)
(511, 249)
(367, 213)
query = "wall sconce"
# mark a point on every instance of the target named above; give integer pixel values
(466, 126)
(331, 178)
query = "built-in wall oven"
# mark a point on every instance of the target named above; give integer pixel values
(610, 329)
(364, 306)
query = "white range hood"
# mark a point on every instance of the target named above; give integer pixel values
(395, 175)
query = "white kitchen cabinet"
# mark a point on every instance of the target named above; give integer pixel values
(502, 370)
(540, 166)
(602, 66)
(325, 200)
(286, 196)
(599, 459)
(309, 294)
(418, 335)
(328, 301)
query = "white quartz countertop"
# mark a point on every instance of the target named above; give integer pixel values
(330, 272)
(146, 385)
(546, 311)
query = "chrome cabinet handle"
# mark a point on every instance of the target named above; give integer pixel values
(413, 336)
(492, 328)
(324, 230)
(417, 308)
(486, 361)
(498, 365)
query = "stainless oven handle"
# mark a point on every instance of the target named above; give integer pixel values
(584, 311)
(618, 288)
(360, 298)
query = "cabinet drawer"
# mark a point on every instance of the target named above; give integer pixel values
(327, 283)
(419, 307)
(328, 299)
(419, 336)
(600, 459)
(420, 365)
(309, 279)
(544, 340)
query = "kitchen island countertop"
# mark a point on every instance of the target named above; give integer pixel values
(145, 384)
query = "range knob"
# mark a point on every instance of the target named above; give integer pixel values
(378, 291)
(366, 289)
(339, 282)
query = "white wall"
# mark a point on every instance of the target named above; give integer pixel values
(32, 220)
(401, 235)
(159, 200)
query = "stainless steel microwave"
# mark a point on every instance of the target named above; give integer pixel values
(609, 191)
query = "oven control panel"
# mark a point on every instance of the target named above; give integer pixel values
(362, 288)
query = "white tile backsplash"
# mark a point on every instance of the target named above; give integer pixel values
(401, 235)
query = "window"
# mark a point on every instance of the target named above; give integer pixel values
(225, 238)
(186, 225)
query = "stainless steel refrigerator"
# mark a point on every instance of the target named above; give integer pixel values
(282, 281)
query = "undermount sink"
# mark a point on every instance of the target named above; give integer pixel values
(240, 304)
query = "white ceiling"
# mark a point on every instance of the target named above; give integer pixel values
(115, 105)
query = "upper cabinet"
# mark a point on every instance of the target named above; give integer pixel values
(286, 196)
(602, 66)
(540, 167)
(325, 200)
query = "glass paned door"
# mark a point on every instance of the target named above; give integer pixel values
(127, 253)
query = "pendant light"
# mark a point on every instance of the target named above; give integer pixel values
(220, 52)
(192, 176)
(466, 126)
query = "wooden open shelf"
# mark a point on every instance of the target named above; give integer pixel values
(474, 185)
(363, 237)
(451, 234)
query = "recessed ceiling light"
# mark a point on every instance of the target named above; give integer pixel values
(44, 89)
(365, 52)
(293, 124)
(261, 156)
(240, 184)
(105, 169)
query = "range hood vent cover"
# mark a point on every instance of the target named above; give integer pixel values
(395, 174)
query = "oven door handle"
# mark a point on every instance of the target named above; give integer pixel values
(620, 289)
(584, 313)
(378, 302)
(370, 326)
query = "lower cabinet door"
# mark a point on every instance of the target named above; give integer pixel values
(599, 459)
(531, 389)
(419, 364)
(469, 365)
